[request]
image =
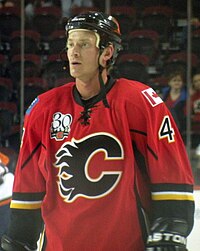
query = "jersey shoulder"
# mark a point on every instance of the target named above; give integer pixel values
(50, 98)
(136, 92)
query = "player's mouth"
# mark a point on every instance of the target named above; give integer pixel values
(75, 63)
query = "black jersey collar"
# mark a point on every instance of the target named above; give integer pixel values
(92, 101)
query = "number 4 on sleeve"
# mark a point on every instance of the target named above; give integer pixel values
(166, 130)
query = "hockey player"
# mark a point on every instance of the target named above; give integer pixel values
(102, 162)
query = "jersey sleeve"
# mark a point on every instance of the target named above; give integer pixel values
(165, 162)
(29, 183)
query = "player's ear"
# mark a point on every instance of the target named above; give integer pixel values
(109, 50)
(107, 54)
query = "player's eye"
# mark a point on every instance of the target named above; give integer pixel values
(85, 45)
(69, 45)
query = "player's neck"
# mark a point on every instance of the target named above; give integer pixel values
(89, 88)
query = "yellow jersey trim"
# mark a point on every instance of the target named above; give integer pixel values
(172, 196)
(25, 204)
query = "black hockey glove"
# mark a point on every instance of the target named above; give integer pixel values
(8, 244)
(167, 234)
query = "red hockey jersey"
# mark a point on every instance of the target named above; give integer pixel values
(98, 174)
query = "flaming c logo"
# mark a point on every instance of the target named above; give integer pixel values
(73, 160)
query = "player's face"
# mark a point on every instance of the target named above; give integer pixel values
(176, 82)
(83, 54)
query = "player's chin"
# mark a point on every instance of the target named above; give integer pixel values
(76, 70)
(74, 74)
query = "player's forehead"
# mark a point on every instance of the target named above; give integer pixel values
(81, 35)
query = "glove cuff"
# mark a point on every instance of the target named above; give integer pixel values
(168, 232)
(8, 244)
(166, 238)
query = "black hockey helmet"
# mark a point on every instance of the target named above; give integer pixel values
(105, 25)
